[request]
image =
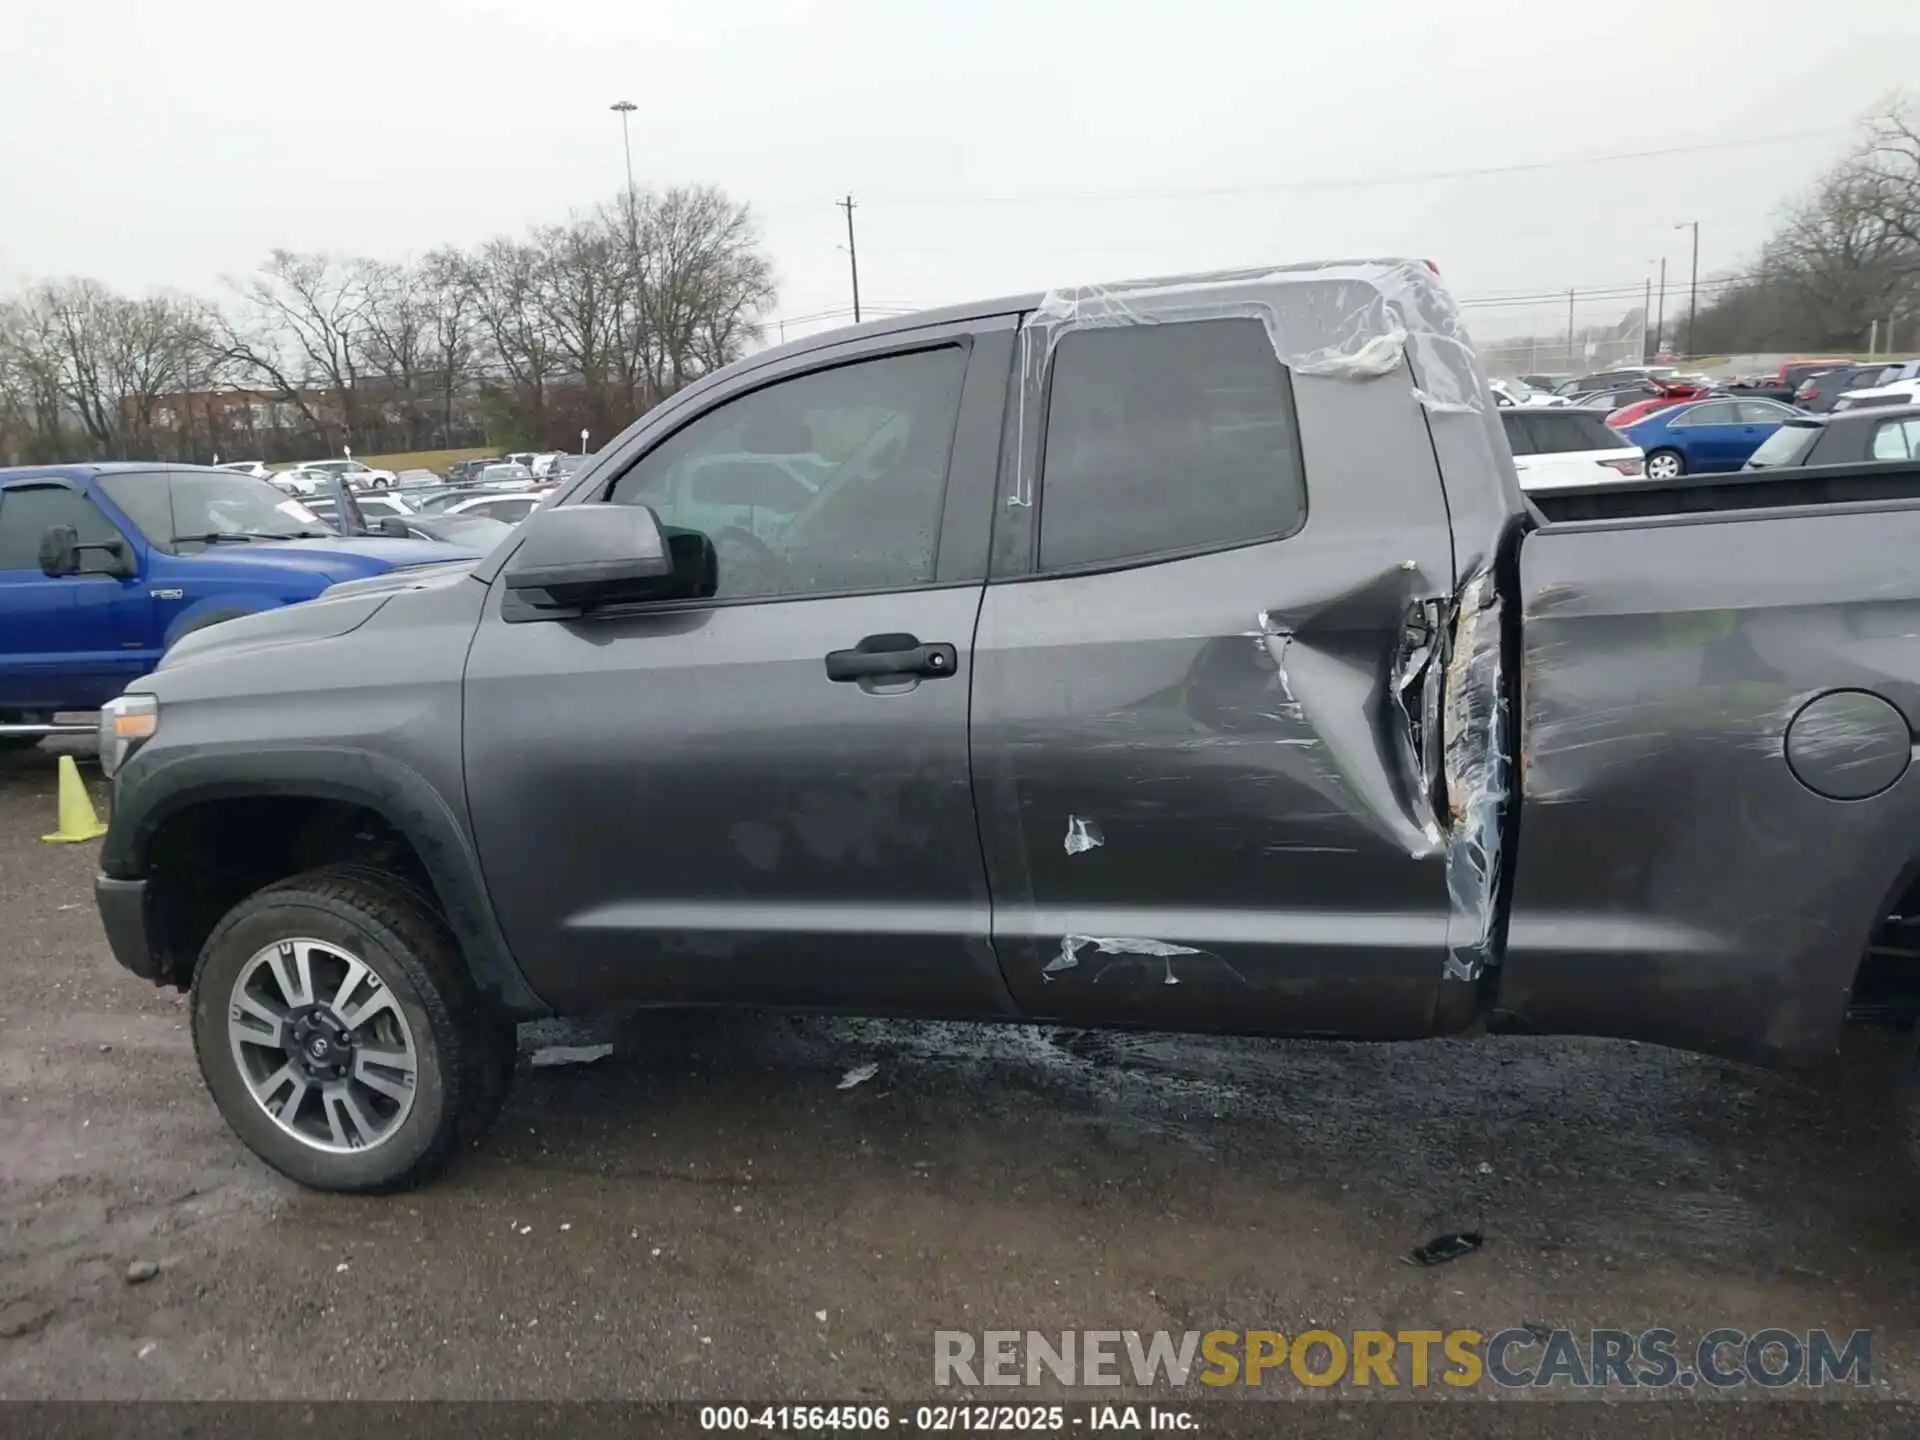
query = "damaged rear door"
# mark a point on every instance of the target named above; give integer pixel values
(1205, 704)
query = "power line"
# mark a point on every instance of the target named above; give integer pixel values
(1360, 183)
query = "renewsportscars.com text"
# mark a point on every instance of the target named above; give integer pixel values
(1520, 1357)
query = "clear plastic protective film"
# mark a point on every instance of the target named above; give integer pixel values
(1359, 320)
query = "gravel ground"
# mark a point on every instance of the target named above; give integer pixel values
(674, 1221)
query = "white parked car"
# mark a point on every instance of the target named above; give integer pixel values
(1900, 392)
(300, 483)
(1568, 449)
(543, 464)
(363, 477)
(507, 509)
(373, 508)
(507, 475)
(256, 468)
(1519, 393)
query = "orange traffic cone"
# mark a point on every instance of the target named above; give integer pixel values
(77, 818)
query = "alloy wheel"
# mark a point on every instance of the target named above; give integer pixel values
(322, 1045)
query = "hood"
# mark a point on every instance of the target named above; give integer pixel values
(338, 611)
(337, 557)
(414, 577)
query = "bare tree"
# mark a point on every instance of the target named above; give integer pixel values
(31, 373)
(158, 350)
(452, 333)
(582, 272)
(1841, 259)
(504, 278)
(396, 342)
(298, 330)
(586, 323)
(706, 283)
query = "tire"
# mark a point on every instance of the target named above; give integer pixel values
(1666, 465)
(415, 1001)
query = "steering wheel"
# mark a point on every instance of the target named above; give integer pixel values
(736, 546)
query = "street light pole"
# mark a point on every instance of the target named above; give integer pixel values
(1693, 286)
(1660, 325)
(624, 108)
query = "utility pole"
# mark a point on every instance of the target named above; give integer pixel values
(1660, 325)
(853, 258)
(1693, 286)
(1646, 314)
(1570, 365)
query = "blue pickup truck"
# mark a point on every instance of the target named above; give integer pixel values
(102, 567)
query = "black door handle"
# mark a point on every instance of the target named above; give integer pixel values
(892, 657)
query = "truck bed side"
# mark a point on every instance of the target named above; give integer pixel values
(1678, 877)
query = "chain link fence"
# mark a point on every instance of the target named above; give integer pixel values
(1590, 348)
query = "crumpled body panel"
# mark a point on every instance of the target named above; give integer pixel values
(1227, 791)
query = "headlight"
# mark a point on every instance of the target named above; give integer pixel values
(124, 724)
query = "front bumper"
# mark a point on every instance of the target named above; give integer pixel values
(123, 913)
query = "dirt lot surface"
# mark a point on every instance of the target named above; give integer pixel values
(707, 1215)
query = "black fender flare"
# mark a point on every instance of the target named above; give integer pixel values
(155, 786)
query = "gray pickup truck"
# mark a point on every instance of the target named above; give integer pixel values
(1178, 655)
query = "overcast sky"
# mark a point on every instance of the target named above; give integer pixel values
(992, 146)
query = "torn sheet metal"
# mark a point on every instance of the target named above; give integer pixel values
(1357, 320)
(1072, 945)
(1083, 835)
(1476, 762)
(1327, 700)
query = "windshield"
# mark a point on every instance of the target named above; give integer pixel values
(1786, 446)
(210, 508)
(505, 472)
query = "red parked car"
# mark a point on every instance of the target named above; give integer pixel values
(1669, 395)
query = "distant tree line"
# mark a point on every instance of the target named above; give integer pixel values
(520, 342)
(1843, 257)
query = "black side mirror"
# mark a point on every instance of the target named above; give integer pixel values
(59, 551)
(579, 557)
(394, 526)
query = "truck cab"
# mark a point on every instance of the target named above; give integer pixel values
(104, 567)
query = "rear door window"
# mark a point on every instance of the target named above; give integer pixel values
(1567, 432)
(1519, 438)
(1762, 412)
(1786, 446)
(1897, 440)
(1724, 413)
(1167, 439)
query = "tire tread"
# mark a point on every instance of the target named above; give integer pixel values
(478, 1073)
